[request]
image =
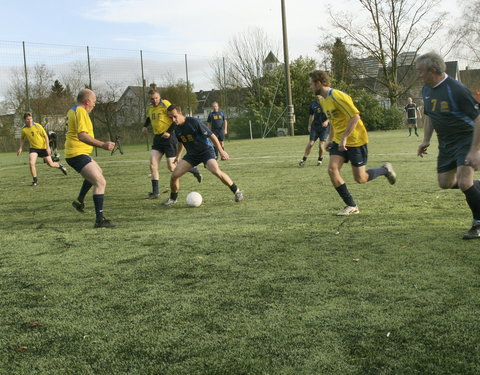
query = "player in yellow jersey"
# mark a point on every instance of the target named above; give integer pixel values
(39, 146)
(80, 141)
(347, 140)
(164, 142)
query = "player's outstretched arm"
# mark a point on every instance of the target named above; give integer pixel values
(20, 147)
(223, 154)
(473, 156)
(85, 138)
(427, 135)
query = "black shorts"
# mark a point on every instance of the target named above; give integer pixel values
(357, 156)
(219, 133)
(452, 155)
(412, 121)
(78, 162)
(40, 151)
(165, 146)
(195, 159)
(319, 132)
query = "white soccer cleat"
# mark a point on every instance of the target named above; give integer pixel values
(169, 202)
(349, 210)
(391, 175)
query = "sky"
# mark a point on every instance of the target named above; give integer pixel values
(201, 29)
(193, 27)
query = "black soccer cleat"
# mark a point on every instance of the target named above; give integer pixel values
(63, 169)
(473, 233)
(198, 176)
(79, 206)
(104, 223)
(152, 196)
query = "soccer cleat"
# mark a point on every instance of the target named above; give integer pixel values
(301, 163)
(198, 176)
(153, 196)
(169, 202)
(319, 163)
(104, 223)
(473, 232)
(34, 183)
(391, 175)
(238, 196)
(63, 169)
(349, 210)
(79, 206)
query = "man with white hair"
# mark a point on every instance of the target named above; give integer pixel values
(452, 111)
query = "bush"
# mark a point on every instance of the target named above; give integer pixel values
(392, 118)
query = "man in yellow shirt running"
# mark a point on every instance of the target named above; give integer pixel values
(39, 146)
(347, 141)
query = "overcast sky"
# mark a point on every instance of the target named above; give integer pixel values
(194, 27)
(164, 31)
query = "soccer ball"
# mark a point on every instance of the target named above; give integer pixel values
(194, 199)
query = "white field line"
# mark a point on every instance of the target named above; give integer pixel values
(231, 161)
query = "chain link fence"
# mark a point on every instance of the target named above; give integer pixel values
(45, 78)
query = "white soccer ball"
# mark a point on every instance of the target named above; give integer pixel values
(194, 199)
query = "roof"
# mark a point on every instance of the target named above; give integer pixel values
(271, 59)
(471, 78)
(452, 69)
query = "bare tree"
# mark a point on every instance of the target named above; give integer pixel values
(247, 52)
(393, 27)
(467, 33)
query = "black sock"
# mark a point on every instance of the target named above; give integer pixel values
(173, 196)
(155, 187)
(35, 180)
(304, 158)
(472, 195)
(320, 158)
(345, 195)
(98, 202)
(373, 173)
(233, 188)
(84, 190)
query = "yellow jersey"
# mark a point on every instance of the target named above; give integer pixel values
(36, 136)
(339, 109)
(158, 117)
(78, 121)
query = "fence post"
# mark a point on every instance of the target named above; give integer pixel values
(26, 78)
(90, 86)
(89, 69)
(143, 93)
(188, 86)
(225, 88)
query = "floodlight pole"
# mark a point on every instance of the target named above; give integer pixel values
(291, 113)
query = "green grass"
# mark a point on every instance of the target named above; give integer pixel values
(275, 284)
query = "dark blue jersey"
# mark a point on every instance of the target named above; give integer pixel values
(411, 110)
(319, 116)
(217, 119)
(452, 110)
(194, 135)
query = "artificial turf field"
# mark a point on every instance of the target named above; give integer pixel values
(276, 284)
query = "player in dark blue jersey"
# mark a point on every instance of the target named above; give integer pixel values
(218, 124)
(451, 110)
(318, 127)
(198, 141)
(411, 114)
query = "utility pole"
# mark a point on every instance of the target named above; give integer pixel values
(291, 113)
